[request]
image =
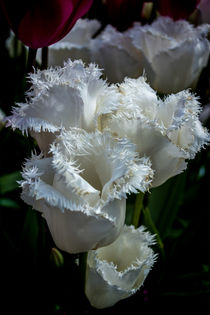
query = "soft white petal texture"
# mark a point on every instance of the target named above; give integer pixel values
(116, 271)
(81, 188)
(114, 52)
(167, 131)
(169, 47)
(62, 98)
(76, 45)
(162, 49)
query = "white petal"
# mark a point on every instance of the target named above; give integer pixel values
(169, 47)
(75, 226)
(77, 231)
(81, 188)
(44, 140)
(118, 270)
(122, 63)
(76, 45)
(167, 131)
(62, 98)
(110, 166)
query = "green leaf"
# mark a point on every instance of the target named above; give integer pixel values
(30, 234)
(8, 203)
(8, 182)
(130, 201)
(148, 222)
(138, 209)
(164, 203)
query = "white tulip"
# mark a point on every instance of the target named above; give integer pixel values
(77, 44)
(114, 52)
(167, 131)
(175, 51)
(81, 188)
(62, 98)
(117, 271)
(172, 53)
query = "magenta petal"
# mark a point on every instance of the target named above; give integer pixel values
(47, 21)
(122, 13)
(177, 9)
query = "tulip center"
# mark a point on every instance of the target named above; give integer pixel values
(122, 253)
(96, 169)
(89, 172)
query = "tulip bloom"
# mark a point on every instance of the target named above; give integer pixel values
(168, 131)
(43, 22)
(204, 7)
(166, 48)
(163, 49)
(177, 9)
(118, 270)
(122, 13)
(72, 96)
(77, 44)
(81, 188)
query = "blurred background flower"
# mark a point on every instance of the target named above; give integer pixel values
(161, 50)
(204, 7)
(42, 23)
(177, 9)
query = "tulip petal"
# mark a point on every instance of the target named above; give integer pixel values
(62, 98)
(118, 270)
(77, 44)
(167, 131)
(44, 22)
(81, 188)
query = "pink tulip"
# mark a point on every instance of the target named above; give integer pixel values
(177, 9)
(43, 22)
(204, 8)
(122, 13)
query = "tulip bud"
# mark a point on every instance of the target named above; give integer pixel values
(56, 257)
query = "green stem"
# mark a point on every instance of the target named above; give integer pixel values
(44, 58)
(138, 209)
(82, 266)
(31, 59)
(148, 221)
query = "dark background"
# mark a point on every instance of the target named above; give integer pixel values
(32, 283)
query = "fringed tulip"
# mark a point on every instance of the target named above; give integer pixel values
(118, 270)
(169, 47)
(167, 131)
(162, 50)
(77, 44)
(62, 98)
(81, 188)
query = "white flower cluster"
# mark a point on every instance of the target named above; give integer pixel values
(100, 142)
(172, 54)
